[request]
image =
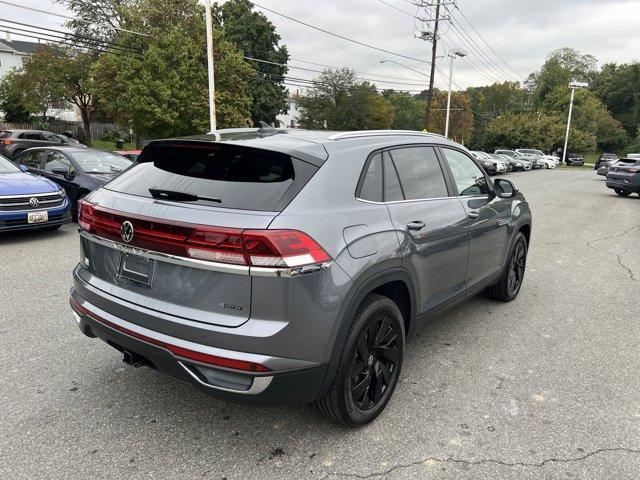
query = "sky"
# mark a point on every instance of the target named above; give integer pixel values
(521, 33)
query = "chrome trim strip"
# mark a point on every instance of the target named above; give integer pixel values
(165, 257)
(33, 195)
(43, 202)
(286, 272)
(259, 384)
(382, 133)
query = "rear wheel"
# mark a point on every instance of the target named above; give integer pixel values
(622, 193)
(370, 364)
(508, 287)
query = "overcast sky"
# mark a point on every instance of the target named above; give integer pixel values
(521, 32)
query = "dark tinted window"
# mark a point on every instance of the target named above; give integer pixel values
(392, 188)
(467, 175)
(420, 172)
(30, 136)
(242, 178)
(5, 134)
(372, 183)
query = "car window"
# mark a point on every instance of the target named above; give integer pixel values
(5, 133)
(97, 161)
(7, 167)
(420, 173)
(467, 175)
(30, 136)
(50, 137)
(371, 188)
(392, 189)
(30, 158)
(56, 159)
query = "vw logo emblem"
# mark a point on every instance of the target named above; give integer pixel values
(126, 231)
(34, 202)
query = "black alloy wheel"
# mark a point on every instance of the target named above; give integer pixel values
(622, 193)
(508, 286)
(375, 363)
(516, 268)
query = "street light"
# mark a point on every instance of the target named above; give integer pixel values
(452, 54)
(573, 86)
(212, 83)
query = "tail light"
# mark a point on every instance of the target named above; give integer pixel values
(6, 141)
(258, 248)
(630, 169)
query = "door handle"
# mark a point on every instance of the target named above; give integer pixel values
(416, 225)
(473, 214)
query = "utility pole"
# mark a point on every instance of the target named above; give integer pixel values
(573, 86)
(434, 52)
(210, 71)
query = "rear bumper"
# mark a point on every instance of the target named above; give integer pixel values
(619, 184)
(288, 381)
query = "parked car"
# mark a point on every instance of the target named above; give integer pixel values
(78, 170)
(574, 159)
(548, 161)
(281, 268)
(526, 163)
(511, 165)
(606, 159)
(624, 176)
(28, 201)
(492, 165)
(71, 141)
(12, 142)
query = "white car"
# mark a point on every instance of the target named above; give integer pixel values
(551, 161)
(492, 165)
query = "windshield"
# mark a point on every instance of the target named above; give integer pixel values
(532, 152)
(7, 167)
(101, 162)
(507, 152)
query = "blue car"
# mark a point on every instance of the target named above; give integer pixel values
(28, 201)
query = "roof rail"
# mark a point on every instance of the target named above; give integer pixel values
(381, 133)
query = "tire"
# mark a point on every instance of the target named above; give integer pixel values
(508, 287)
(377, 333)
(622, 193)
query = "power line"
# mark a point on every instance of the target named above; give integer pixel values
(486, 43)
(357, 42)
(67, 17)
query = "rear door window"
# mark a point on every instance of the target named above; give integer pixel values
(240, 177)
(420, 173)
(371, 188)
(392, 188)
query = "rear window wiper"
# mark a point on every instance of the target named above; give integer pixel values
(180, 196)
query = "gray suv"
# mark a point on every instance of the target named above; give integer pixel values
(12, 142)
(292, 266)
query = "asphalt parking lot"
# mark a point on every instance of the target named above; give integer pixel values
(544, 387)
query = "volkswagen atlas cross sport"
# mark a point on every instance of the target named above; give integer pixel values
(291, 266)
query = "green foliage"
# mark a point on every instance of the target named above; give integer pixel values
(618, 87)
(163, 91)
(537, 130)
(14, 99)
(409, 111)
(253, 34)
(339, 102)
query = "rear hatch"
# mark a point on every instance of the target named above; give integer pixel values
(624, 169)
(182, 194)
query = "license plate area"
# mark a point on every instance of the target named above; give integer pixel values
(136, 270)
(37, 217)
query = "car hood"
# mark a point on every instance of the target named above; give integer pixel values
(22, 183)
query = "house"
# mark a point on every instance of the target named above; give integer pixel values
(13, 53)
(289, 119)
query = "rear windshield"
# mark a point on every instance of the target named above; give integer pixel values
(5, 134)
(242, 178)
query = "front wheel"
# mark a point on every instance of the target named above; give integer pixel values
(508, 287)
(622, 193)
(370, 364)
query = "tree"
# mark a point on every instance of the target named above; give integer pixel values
(409, 111)
(562, 66)
(461, 116)
(618, 87)
(339, 102)
(253, 34)
(14, 101)
(97, 19)
(162, 91)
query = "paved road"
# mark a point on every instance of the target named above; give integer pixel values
(544, 387)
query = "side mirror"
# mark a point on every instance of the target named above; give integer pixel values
(504, 188)
(24, 168)
(60, 171)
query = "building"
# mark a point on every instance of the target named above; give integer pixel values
(13, 53)
(289, 119)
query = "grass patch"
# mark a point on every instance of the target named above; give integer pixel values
(111, 146)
